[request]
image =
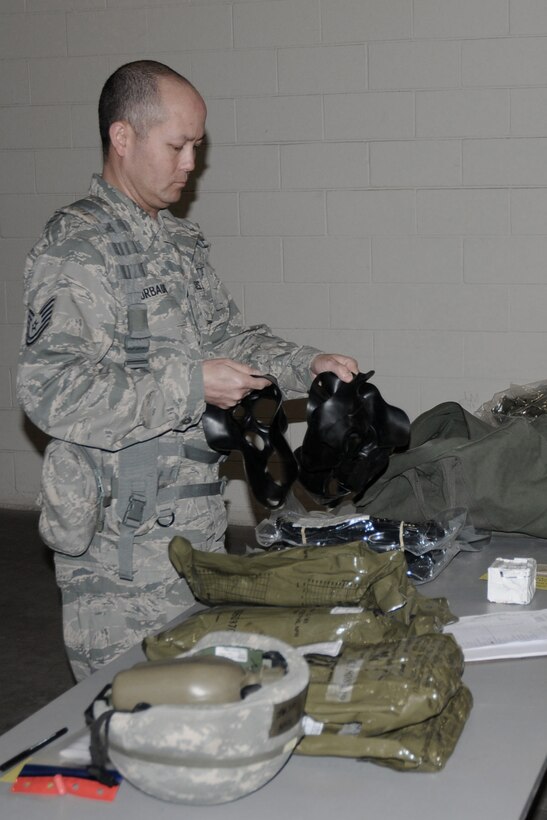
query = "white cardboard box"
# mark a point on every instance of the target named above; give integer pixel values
(512, 580)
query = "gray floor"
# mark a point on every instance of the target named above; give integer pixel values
(34, 670)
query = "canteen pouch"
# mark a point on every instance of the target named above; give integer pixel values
(71, 499)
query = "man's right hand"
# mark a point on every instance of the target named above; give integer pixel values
(226, 381)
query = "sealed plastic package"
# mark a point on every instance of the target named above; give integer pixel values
(428, 545)
(524, 400)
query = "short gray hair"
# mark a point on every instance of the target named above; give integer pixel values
(131, 93)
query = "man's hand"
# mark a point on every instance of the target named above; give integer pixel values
(226, 381)
(345, 367)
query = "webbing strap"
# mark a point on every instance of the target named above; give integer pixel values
(197, 454)
(197, 490)
(137, 490)
(176, 492)
(128, 259)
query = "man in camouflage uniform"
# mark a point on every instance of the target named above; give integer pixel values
(77, 382)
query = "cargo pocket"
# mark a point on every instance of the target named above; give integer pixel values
(71, 499)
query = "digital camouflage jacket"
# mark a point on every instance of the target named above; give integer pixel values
(72, 382)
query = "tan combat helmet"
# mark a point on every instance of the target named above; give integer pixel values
(225, 717)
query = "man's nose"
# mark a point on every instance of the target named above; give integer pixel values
(187, 160)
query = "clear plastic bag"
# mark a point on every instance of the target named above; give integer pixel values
(428, 546)
(523, 400)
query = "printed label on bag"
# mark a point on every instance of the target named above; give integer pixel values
(343, 680)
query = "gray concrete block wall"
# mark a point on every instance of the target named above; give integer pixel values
(375, 178)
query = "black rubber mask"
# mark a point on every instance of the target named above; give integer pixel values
(351, 433)
(256, 426)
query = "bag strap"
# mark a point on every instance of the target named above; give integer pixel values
(128, 257)
(450, 478)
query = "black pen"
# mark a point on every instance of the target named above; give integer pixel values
(34, 748)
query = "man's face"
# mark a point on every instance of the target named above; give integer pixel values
(156, 167)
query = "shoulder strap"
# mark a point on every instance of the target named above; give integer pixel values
(138, 478)
(128, 258)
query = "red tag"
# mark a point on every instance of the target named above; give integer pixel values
(58, 784)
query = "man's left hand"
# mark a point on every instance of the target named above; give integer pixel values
(345, 367)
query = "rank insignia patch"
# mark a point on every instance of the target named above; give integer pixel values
(37, 323)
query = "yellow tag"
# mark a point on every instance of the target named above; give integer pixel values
(12, 774)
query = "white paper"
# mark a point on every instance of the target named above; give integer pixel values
(502, 635)
(76, 751)
(330, 648)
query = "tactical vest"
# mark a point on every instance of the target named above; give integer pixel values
(137, 485)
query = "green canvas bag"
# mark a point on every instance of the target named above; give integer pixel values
(454, 459)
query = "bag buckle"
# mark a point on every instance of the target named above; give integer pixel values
(134, 514)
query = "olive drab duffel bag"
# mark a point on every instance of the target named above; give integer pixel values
(454, 459)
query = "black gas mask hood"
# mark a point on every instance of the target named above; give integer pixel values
(256, 426)
(351, 433)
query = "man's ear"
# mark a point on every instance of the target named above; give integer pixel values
(120, 134)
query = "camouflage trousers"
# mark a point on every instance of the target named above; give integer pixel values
(103, 615)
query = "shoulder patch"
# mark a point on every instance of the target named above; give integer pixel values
(37, 323)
